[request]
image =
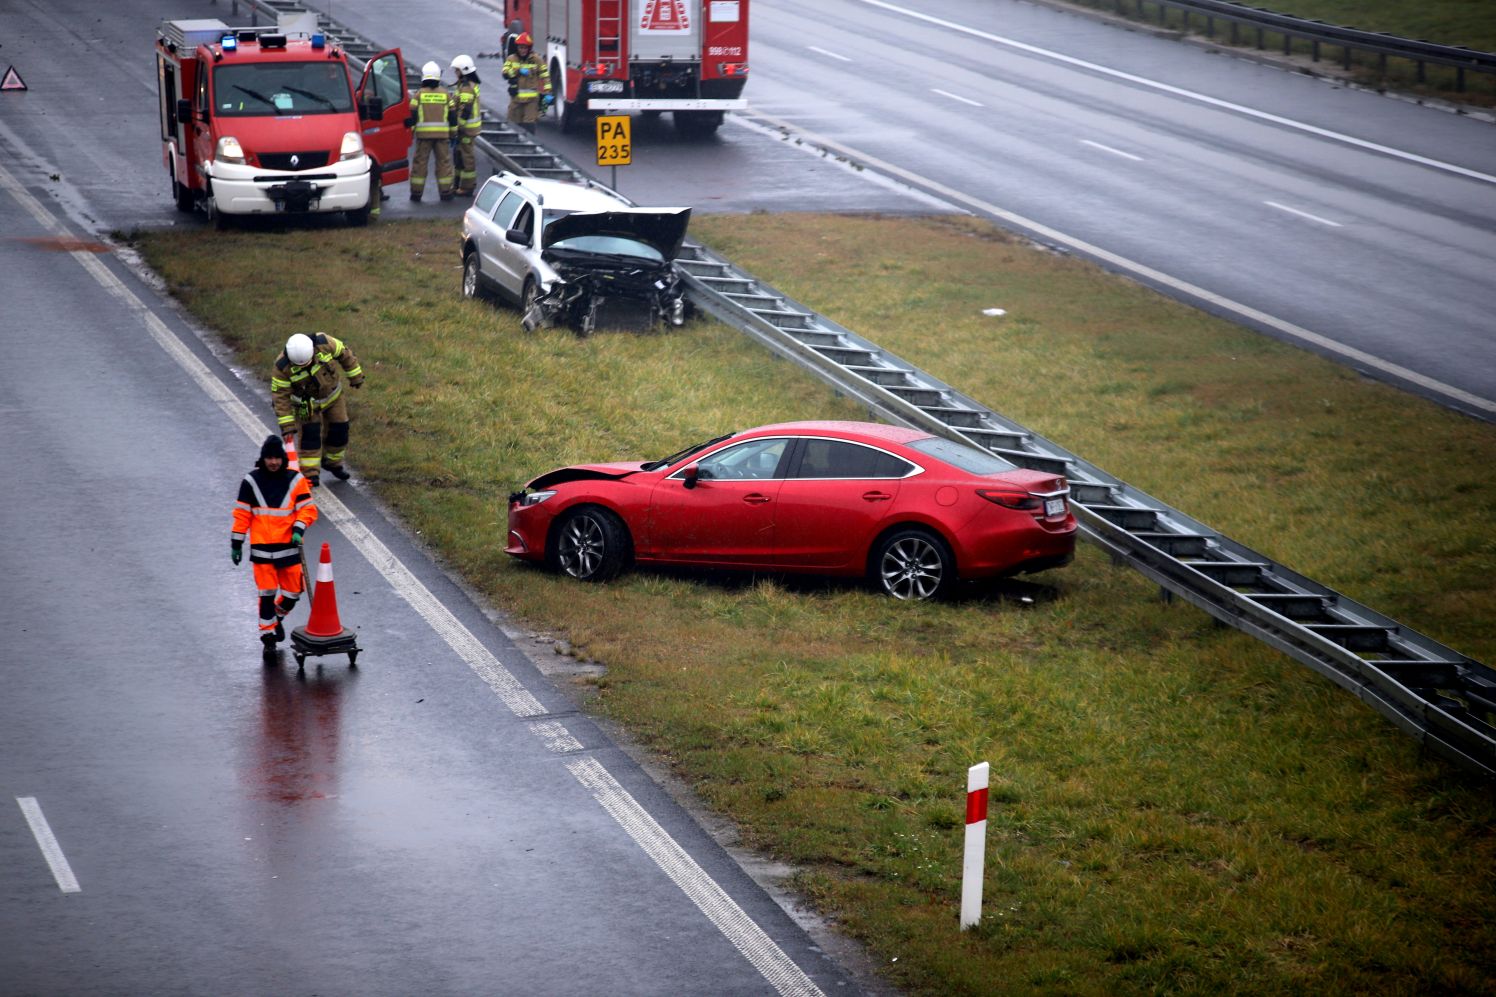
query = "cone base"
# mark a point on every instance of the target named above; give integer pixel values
(309, 643)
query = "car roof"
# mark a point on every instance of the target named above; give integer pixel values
(866, 432)
(564, 194)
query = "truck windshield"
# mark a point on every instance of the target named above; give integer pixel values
(260, 88)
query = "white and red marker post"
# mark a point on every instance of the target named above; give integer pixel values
(974, 861)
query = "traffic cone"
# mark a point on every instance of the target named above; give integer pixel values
(291, 460)
(324, 633)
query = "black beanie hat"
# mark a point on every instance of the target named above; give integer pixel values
(273, 447)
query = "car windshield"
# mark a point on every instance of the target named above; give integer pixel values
(962, 455)
(681, 455)
(611, 245)
(259, 88)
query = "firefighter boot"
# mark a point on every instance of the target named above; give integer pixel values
(267, 641)
(337, 471)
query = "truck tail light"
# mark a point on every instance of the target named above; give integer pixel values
(732, 69)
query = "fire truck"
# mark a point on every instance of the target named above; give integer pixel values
(264, 120)
(689, 57)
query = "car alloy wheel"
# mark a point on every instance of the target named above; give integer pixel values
(591, 545)
(470, 276)
(913, 565)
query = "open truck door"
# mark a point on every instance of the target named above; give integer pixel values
(384, 104)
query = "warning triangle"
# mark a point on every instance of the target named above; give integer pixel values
(12, 80)
(665, 15)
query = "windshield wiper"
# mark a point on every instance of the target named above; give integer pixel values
(258, 96)
(313, 96)
(655, 465)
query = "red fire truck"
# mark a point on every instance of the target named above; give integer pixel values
(689, 57)
(265, 120)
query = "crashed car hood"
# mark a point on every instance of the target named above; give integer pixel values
(664, 229)
(586, 472)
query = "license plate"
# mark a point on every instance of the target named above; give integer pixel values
(605, 86)
(1054, 507)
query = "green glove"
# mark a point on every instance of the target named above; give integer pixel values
(296, 537)
(236, 551)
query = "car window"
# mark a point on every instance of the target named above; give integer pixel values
(962, 455)
(389, 86)
(525, 220)
(507, 208)
(488, 196)
(256, 89)
(750, 459)
(612, 245)
(840, 459)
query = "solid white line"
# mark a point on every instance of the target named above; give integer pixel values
(730, 919)
(1188, 94)
(1301, 214)
(51, 850)
(1147, 272)
(1114, 152)
(833, 55)
(952, 96)
(749, 939)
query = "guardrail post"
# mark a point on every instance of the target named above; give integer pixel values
(974, 858)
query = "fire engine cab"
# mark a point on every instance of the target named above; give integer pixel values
(689, 57)
(265, 120)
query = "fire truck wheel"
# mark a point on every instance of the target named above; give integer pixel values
(357, 218)
(221, 221)
(697, 124)
(185, 201)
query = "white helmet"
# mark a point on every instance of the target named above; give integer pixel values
(463, 66)
(299, 349)
(431, 71)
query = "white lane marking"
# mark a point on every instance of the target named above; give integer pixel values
(1301, 214)
(1114, 152)
(1148, 273)
(815, 48)
(747, 937)
(757, 947)
(47, 841)
(1187, 94)
(555, 735)
(952, 96)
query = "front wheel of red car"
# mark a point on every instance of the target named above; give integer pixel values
(913, 564)
(590, 544)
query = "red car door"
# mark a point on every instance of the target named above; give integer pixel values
(833, 503)
(383, 93)
(727, 516)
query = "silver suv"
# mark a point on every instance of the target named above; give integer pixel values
(573, 254)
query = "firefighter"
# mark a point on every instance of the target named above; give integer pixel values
(469, 124)
(274, 509)
(429, 108)
(306, 388)
(529, 83)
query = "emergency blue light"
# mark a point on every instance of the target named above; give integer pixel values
(229, 43)
(319, 41)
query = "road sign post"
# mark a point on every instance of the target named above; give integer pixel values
(614, 146)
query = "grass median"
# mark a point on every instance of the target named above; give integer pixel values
(1175, 807)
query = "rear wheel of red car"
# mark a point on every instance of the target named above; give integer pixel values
(591, 544)
(913, 564)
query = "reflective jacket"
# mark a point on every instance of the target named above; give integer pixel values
(527, 85)
(430, 105)
(269, 507)
(299, 393)
(469, 114)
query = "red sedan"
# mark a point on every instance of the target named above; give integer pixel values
(911, 511)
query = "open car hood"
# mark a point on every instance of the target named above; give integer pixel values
(662, 228)
(585, 472)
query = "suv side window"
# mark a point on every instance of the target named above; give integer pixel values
(840, 459)
(488, 196)
(507, 207)
(525, 220)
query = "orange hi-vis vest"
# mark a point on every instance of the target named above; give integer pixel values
(269, 507)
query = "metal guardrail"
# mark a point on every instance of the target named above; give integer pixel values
(1317, 34)
(1444, 699)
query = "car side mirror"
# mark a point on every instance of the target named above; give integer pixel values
(184, 111)
(690, 476)
(518, 236)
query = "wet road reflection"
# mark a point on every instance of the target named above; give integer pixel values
(295, 756)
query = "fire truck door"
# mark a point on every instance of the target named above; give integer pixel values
(383, 93)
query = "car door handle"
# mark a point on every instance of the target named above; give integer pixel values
(876, 496)
(754, 498)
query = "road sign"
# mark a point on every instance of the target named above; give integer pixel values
(613, 145)
(12, 80)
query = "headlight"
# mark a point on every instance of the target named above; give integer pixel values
(229, 151)
(534, 498)
(353, 146)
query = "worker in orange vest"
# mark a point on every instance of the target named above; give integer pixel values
(274, 509)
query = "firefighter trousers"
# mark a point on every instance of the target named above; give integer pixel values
(441, 148)
(465, 163)
(319, 429)
(279, 586)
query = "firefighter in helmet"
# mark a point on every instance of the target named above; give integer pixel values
(429, 108)
(306, 388)
(529, 83)
(469, 124)
(273, 509)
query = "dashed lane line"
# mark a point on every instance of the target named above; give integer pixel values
(47, 841)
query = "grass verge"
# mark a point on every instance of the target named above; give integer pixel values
(1175, 806)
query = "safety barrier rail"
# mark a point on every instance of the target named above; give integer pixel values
(1317, 34)
(1444, 699)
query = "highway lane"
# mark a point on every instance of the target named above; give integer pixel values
(439, 820)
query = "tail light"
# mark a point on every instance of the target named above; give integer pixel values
(732, 69)
(1012, 498)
